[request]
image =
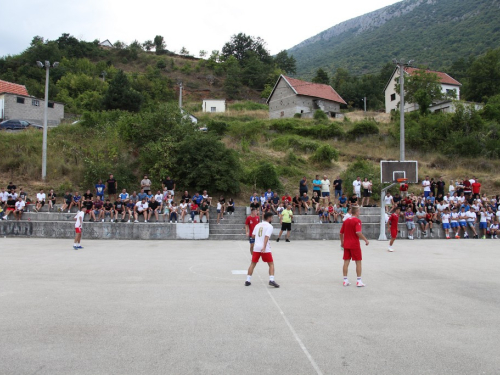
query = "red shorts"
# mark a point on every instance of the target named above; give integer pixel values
(10, 209)
(354, 254)
(78, 230)
(88, 212)
(394, 232)
(266, 257)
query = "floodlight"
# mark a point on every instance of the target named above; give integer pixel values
(39, 64)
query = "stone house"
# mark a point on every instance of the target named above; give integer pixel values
(449, 87)
(15, 103)
(291, 96)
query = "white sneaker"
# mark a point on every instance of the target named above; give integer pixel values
(176, 222)
(136, 221)
(112, 220)
(102, 220)
(128, 221)
(170, 221)
(346, 283)
(360, 284)
(390, 249)
(145, 221)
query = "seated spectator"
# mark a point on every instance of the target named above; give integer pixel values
(155, 206)
(142, 195)
(263, 199)
(68, 198)
(98, 208)
(51, 199)
(173, 212)
(421, 220)
(108, 210)
(88, 209)
(305, 202)
(40, 200)
(286, 199)
(183, 209)
(353, 201)
(331, 213)
(76, 202)
(297, 203)
(141, 208)
(186, 198)
(88, 195)
(198, 199)
(204, 211)
(119, 208)
(24, 195)
(343, 202)
(339, 214)
(124, 196)
(19, 208)
(323, 215)
(3, 197)
(254, 198)
(194, 211)
(269, 194)
(396, 199)
(10, 206)
(207, 197)
(315, 201)
(266, 207)
(159, 199)
(255, 203)
(230, 206)
(494, 229)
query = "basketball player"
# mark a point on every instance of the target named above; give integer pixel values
(394, 220)
(262, 248)
(350, 234)
(250, 224)
(78, 228)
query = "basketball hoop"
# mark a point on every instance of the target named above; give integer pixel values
(402, 180)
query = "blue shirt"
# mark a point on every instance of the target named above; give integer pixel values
(342, 200)
(124, 196)
(198, 199)
(142, 196)
(99, 188)
(269, 195)
(316, 188)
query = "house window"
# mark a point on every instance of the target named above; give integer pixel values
(213, 109)
(452, 93)
(35, 102)
(393, 97)
(20, 100)
(50, 105)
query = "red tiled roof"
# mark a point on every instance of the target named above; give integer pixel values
(316, 90)
(445, 78)
(13, 88)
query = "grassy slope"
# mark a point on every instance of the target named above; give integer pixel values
(68, 146)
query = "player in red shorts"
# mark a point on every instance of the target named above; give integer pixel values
(262, 248)
(350, 234)
(393, 221)
(78, 228)
(250, 224)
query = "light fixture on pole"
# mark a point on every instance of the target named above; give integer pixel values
(45, 65)
(402, 64)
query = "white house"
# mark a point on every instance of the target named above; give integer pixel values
(449, 86)
(292, 96)
(214, 105)
(106, 44)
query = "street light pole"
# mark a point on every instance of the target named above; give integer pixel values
(45, 114)
(401, 64)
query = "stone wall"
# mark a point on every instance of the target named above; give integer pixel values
(30, 112)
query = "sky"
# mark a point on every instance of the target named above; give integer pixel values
(196, 25)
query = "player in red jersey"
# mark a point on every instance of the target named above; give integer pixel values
(393, 221)
(250, 224)
(350, 234)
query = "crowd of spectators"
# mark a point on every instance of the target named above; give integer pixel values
(104, 201)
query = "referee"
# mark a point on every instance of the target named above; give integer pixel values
(286, 223)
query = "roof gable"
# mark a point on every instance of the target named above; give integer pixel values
(444, 78)
(315, 90)
(13, 88)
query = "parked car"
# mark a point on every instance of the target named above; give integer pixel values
(14, 124)
(36, 126)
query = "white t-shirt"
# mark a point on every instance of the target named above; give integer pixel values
(484, 217)
(20, 205)
(440, 207)
(219, 206)
(454, 217)
(325, 186)
(451, 189)
(158, 198)
(498, 214)
(388, 199)
(427, 185)
(262, 200)
(461, 200)
(445, 218)
(494, 226)
(79, 219)
(183, 206)
(471, 216)
(4, 196)
(141, 206)
(357, 185)
(347, 216)
(40, 197)
(366, 185)
(261, 231)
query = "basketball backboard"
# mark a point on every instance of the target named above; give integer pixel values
(391, 170)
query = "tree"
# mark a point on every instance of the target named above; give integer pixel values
(422, 88)
(241, 44)
(119, 44)
(148, 45)
(184, 52)
(121, 96)
(285, 62)
(232, 84)
(203, 53)
(483, 77)
(159, 43)
(321, 77)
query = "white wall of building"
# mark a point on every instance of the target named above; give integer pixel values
(214, 105)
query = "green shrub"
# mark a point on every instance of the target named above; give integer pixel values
(294, 142)
(217, 127)
(248, 106)
(363, 128)
(265, 176)
(297, 115)
(296, 126)
(319, 115)
(361, 168)
(251, 131)
(324, 155)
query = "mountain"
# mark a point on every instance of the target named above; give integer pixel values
(434, 33)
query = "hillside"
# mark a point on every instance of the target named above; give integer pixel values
(434, 33)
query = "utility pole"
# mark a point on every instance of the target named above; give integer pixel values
(364, 101)
(401, 64)
(180, 95)
(104, 74)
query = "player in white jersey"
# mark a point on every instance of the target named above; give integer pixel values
(445, 219)
(262, 248)
(454, 222)
(494, 229)
(483, 222)
(78, 229)
(471, 221)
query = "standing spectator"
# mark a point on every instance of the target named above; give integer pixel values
(286, 223)
(141, 207)
(303, 186)
(170, 185)
(219, 212)
(367, 188)
(146, 184)
(51, 198)
(230, 206)
(476, 189)
(99, 189)
(316, 185)
(120, 209)
(440, 186)
(40, 200)
(451, 188)
(250, 224)
(337, 185)
(445, 219)
(433, 186)
(11, 187)
(467, 187)
(112, 186)
(389, 202)
(325, 189)
(426, 184)
(18, 212)
(356, 187)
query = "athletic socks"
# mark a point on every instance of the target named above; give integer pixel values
(271, 278)
(249, 278)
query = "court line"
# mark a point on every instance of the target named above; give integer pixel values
(290, 327)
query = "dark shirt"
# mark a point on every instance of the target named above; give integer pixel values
(111, 184)
(68, 198)
(88, 196)
(98, 205)
(154, 205)
(52, 197)
(108, 206)
(118, 206)
(303, 186)
(88, 204)
(186, 198)
(11, 187)
(339, 184)
(169, 184)
(276, 199)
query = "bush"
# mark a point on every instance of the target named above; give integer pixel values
(319, 115)
(217, 127)
(294, 142)
(251, 131)
(296, 126)
(363, 169)
(363, 128)
(324, 155)
(265, 176)
(248, 106)
(297, 115)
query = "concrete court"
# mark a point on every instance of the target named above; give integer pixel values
(174, 307)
